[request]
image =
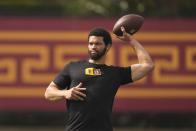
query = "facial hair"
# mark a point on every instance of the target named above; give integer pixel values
(98, 54)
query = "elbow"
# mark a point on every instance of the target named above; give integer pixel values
(150, 67)
(53, 94)
(47, 95)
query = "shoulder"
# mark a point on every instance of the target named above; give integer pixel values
(77, 62)
(119, 67)
(124, 74)
(121, 70)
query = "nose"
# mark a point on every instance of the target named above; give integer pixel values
(94, 46)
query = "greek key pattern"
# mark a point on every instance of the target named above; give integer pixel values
(42, 62)
(37, 64)
(27, 64)
(169, 65)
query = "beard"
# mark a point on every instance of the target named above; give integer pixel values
(98, 54)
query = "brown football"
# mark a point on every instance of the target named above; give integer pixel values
(131, 22)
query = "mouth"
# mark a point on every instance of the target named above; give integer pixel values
(93, 52)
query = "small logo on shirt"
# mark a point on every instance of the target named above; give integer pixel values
(92, 71)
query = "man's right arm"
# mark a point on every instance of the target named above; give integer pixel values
(53, 93)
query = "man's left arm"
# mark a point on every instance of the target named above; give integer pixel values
(145, 64)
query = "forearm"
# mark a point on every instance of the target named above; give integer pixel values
(142, 54)
(145, 65)
(54, 94)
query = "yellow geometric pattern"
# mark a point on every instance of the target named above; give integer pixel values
(82, 36)
(10, 65)
(32, 92)
(173, 65)
(36, 70)
(77, 51)
(163, 64)
(190, 53)
(27, 65)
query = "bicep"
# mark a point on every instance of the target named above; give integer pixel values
(51, 88)
(53, 93)
(139, 71)
(63, 79)
(54, 87)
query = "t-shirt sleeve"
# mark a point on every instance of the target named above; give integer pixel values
(125, 75)
(63, 80)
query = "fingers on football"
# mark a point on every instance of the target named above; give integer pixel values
(123, 30)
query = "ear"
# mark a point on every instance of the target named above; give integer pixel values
(108, 47)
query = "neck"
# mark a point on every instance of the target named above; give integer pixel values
(99, 61)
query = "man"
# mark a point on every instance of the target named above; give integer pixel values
(90, 86)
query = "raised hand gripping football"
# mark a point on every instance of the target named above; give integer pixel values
(126, 36)
(131, 22)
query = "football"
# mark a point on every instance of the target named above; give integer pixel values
(131, 22)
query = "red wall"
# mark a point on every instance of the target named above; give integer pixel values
(33, 50)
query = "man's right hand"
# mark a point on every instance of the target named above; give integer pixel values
(75, 93)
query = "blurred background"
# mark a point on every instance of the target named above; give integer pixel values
(38, 37)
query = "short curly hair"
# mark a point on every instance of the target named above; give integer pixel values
(101, 32)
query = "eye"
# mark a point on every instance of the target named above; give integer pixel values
(98, 43)
(90, 43)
